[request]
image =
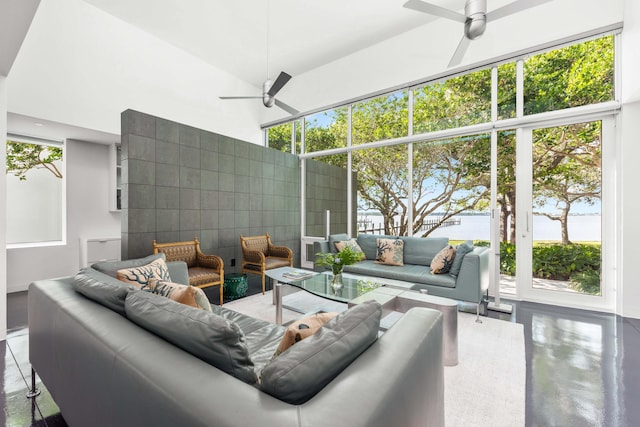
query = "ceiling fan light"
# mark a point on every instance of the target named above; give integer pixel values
(474, 27)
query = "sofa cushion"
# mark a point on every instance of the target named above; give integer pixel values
(410, 273)
(442, 262)
(461, 250)
(102, 288)
(336, 238)
(201, 333)
(111, 267)
(184, 294)
(422, 250)
(351, 243)
(301, 329)
(390, 251)
(139, 276)
(306, 368)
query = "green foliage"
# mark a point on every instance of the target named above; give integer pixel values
(22, 157)
(337, 261)
(587, 282)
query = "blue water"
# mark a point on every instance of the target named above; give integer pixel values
(476, 227)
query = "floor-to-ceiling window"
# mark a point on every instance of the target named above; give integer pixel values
(421, 159)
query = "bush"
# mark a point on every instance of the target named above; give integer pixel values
(587, 282)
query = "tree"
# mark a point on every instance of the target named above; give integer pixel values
(22, 157)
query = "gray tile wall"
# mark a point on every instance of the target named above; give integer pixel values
(179, 182)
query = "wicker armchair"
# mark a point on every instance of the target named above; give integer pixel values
(204, 270)
(259, 255)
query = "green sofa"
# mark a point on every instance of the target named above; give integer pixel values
(470, 284)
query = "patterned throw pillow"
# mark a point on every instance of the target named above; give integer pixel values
(351, 243)
(443, 260)
(302, 329)
(390, 251)
(184, 294)
(139, 276)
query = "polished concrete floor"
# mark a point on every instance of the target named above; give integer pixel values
(583, 368)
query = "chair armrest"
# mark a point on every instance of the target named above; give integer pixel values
(280, 251)
(253, 257)
(210, 261)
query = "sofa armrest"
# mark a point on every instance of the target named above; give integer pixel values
(178, 272)
(473, 280)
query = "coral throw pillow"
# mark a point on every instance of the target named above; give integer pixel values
(184, 294)
(390, 251)
(302, 329)
(351, 243)
(139, 276)
(443, 260)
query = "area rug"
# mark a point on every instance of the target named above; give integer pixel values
(486, 388)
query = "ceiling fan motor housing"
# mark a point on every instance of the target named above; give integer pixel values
(475, 11)
(267, 99)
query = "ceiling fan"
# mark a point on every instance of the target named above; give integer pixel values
(475, 18)
(269, 90)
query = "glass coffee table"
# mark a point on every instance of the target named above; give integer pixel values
(318, 284)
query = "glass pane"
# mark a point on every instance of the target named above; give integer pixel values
(326, 189)
(382, 189)
(381, 118)
(459, 101)
(451, 181)
(34, 193)
(576, 75)
(567, 187)
(326, 130)
(298, 136)
(507, 91)
(279, 137)
(506, 201)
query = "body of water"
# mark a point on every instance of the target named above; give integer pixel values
(477, 227)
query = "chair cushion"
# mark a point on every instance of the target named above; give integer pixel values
(201, 333)
(272, 262)
(306, 368)
(140, 276)
(184, 294)
(199, 276)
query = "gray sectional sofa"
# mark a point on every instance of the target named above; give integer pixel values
(469, 283)
(112, 355)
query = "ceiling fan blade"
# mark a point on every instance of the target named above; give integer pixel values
(282, 80)
(289, 109)
(460, 51)
(432, 9)
(515, 7)
(240, 97)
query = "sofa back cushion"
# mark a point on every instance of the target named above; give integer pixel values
(203, 334)
(422, 250)
(306, 368)
(102, 288)
(111, 267)
(461, 251)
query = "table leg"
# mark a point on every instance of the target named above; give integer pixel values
(277, 289)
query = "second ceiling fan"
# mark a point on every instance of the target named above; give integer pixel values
(475, 18)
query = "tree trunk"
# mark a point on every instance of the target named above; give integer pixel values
(511, 198)
(564, 225)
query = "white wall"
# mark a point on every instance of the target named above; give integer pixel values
(79, 65)
(3, 214)
(88, 216)
(629, 233)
